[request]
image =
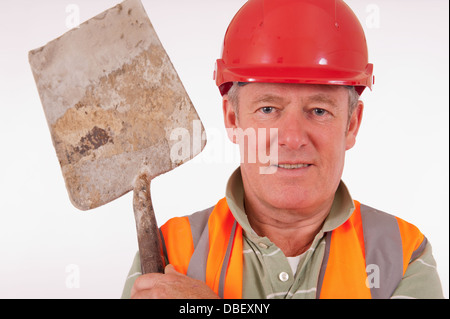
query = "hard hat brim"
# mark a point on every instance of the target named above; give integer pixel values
(286, 74)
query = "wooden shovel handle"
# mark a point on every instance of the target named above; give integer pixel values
(149, 240)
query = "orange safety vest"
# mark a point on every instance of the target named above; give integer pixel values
(208, 246)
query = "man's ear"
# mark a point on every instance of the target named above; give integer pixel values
(230, 118)
(353, 125)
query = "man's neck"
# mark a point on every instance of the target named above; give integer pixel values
(292, 231)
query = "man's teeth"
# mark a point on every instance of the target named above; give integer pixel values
(292, 166)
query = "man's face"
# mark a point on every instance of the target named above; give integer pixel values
(314, 131)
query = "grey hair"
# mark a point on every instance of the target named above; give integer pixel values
(353, 99)
(233, 97)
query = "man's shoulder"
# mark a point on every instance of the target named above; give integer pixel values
(384, 222)
(391, 234)
(199, 217)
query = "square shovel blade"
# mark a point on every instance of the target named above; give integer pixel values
(114, 104)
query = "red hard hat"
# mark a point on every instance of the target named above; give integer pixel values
(295, 41)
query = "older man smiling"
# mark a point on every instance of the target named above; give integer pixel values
(288, 227)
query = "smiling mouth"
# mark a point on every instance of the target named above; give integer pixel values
(292, 166)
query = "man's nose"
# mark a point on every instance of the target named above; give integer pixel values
(293, 133)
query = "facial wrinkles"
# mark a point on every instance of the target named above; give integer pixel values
(352, 100)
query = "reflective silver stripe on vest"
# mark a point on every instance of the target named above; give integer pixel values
(200, 238)
(383, 250)
(226, 260)
(324, 263)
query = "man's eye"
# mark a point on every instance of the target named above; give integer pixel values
(267, 109)
(319, 112)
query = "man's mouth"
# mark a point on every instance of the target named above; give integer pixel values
(292, 166)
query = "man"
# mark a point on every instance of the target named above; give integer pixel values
(291, 74)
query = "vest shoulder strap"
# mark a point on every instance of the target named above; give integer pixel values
(383, 251)
(207, 246)
(200, 237)
(181, 236)
(217, 257)
(381, 244)
(177, 242)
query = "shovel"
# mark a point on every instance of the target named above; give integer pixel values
(118, 115)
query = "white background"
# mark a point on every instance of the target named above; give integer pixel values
(399, 165)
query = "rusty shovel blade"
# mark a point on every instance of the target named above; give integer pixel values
(115, 106)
